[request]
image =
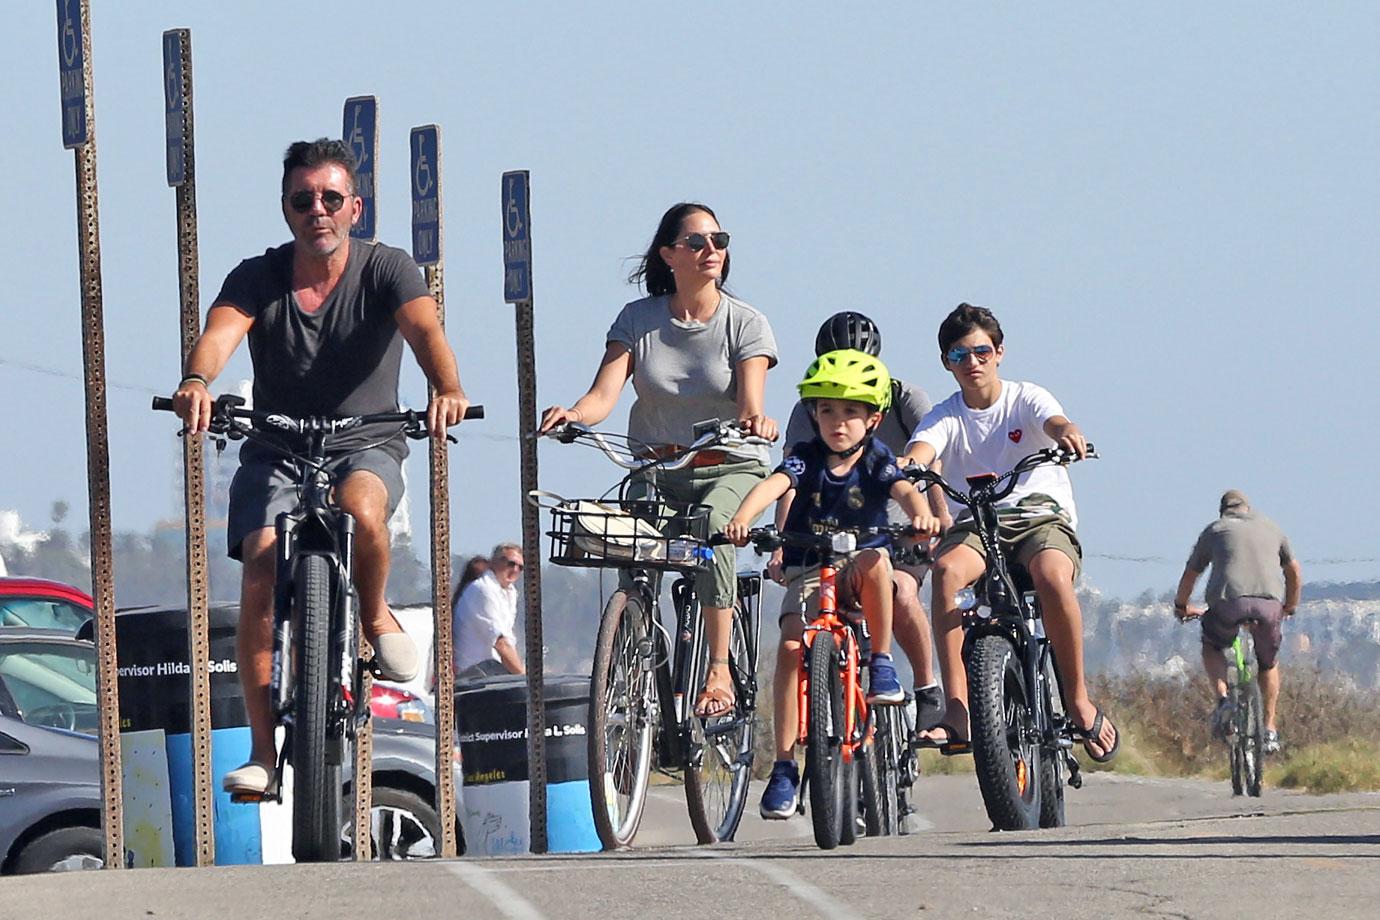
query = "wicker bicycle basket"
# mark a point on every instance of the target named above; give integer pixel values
(656, 534)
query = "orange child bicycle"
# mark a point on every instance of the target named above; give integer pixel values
(835, 720)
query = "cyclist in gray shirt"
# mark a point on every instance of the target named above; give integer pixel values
(1254, 576)
(693, 352)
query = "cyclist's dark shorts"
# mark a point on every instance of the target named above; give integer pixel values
(1219, 626)
(266, 486)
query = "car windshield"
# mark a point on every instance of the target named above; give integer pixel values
(42, 613)
(50, 683)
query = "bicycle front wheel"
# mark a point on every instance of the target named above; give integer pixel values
(824, 746)
(1005, 753)
(719, 766)
(890, 743)
(622, 712)
(1253, 739)
(316, 786)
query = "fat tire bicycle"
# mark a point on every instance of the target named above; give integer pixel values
(1244, 729)
(1022, 737)
(316, 688)
(644, 678)
(837, 726)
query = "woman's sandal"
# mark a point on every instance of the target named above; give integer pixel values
(714, 702)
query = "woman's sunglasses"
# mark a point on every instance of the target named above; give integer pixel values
(959, 354)
(302, 201)
(697, 241)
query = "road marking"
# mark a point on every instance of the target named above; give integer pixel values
(509, 902)
(811, 895)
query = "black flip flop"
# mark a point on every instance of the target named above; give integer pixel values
(948, 747)
(1091, 734)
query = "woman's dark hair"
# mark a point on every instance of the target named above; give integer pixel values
(652, 272)
(306, 154)
(963, 320)
(474, 568)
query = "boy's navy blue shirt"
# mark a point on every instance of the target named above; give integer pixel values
(824, 502)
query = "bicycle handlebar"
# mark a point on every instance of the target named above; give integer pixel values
(228, 408)
(768, 538)
(718, 434)
(998, 487)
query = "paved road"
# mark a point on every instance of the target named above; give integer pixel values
(1157, 848)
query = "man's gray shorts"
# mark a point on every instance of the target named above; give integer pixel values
(266, 486)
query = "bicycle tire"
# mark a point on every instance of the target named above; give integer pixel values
(823, 753)
(1253, 740)
(887, 763)
(1006, 759)
(622, 715)
(316, 785)
(868, 767)
(718, 776)
(1052, 758)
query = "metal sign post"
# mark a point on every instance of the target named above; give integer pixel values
(425, 144)
(181, 169)
(361, 133)
(78, 133)
(517, 290)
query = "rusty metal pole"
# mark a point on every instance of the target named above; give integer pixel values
(79, 134)
(360, 131)
(181, 169)
(427, 238)
(517, 290)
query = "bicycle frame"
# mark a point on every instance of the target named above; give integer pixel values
(829, 626)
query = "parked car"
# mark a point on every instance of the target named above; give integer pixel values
(43, 604)
(50, 792)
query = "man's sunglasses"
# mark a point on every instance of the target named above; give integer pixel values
(302, 201)
(959, 354)
(512, 563)
(697, 241)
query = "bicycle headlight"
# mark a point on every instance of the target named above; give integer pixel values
(844, 542)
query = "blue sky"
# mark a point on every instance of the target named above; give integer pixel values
(1172, 209)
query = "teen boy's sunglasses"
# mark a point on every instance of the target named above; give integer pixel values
(302, 201)
(959, 354)
(697, 241)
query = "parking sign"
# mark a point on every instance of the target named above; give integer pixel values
(426, 194)
(517, 237)
(71, 64)
(361, 133)
(174, 104)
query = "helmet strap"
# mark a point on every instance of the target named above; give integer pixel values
(850, 451)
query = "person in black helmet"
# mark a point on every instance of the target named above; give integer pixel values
(849, 329)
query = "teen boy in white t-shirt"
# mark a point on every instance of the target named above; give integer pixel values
(986, 427)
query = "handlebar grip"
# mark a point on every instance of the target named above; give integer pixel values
(718, 539)
(474, 412)
(162, 404)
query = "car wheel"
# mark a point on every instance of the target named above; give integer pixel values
(63, 850)
(405, 826)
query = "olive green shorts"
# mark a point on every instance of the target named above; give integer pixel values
(1020, 539)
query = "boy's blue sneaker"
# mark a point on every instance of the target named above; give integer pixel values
(779, 799)
(884, 687)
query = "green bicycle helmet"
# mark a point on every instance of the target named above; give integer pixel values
(848, 374)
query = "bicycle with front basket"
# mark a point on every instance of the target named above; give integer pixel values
(1244, 729)
(1022, 737)
(316, 687)
(644, 678)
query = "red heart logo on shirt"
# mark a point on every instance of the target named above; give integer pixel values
(1014, 435)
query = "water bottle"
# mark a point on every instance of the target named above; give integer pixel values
(688, 552)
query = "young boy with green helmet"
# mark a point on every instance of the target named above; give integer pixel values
(843, 478)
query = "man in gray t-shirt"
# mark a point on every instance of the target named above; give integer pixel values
(1254, 577)
(325, 317)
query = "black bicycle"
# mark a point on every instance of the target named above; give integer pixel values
(317, 682)
(645, 678)
(1022, 738)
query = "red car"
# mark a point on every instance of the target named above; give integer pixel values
(43, 604)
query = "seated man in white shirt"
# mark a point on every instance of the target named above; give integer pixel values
(485, 615)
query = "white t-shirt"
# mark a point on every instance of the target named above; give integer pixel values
(485, 612)
(971, 442)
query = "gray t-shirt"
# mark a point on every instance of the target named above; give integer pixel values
(686, 372)
(908, 406)
(344, 358)
(1246, 552)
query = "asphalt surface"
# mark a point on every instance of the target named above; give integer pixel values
(1155, 848)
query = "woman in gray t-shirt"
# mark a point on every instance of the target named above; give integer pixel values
(693, 352)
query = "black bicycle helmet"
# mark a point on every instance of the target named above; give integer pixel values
(849, 330)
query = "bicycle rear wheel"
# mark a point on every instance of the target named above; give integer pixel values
(1253, 739)
(823, 748)
(720, 750)
(868, 766)
(890, 741)
(1052, 758)
(316, 787)
(622, 712)
(1005, 754)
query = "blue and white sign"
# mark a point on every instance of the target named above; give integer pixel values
(71, 64)
(517, 237)
(426, 194)
(174, 108)
(361, 133)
